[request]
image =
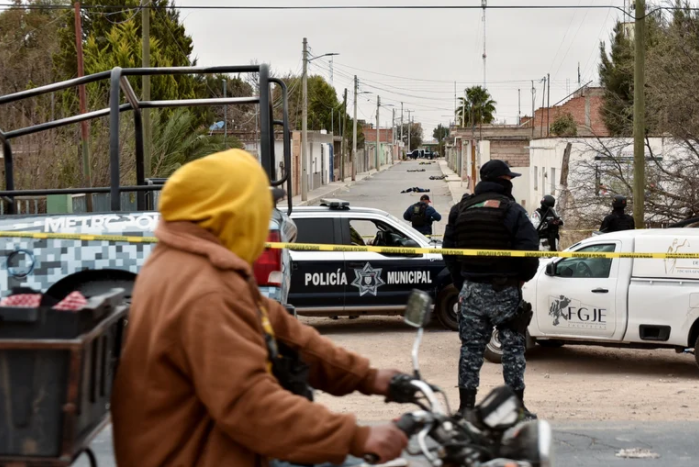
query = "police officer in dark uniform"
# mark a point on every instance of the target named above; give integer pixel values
(453, 263)
(491, 296)
(547, 224)
(618, 220)
(421, 215)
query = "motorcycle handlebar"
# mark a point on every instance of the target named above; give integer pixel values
(408, 424)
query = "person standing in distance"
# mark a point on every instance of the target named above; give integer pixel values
(547, 224)
(491, 296)
(421, 215)
(618, 220)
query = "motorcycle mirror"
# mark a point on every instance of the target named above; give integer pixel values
(417, 315)
(417, 311)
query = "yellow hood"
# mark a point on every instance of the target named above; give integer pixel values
(226, 193)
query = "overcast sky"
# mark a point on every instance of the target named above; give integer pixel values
(423, 51)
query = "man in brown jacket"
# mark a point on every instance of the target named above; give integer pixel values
(195, 387)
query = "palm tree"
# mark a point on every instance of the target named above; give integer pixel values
(476, 108)
(177, 140)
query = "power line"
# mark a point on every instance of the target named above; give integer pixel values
(451, 82)
(138, 10)
(590, 63)
(325, 7)
(12, 6)
(571, 43)
(565, 36)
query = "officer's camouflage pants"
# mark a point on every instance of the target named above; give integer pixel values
(482, 309)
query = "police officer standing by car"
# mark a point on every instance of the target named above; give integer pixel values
(421, 215)
(491, 296)
(547, 224)
(618, 220)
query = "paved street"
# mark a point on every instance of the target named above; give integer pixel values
(584, 444)
(643, 398)
(383, 190)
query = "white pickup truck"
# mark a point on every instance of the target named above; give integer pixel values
(629, 303)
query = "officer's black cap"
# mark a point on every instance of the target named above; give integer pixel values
(492, 170)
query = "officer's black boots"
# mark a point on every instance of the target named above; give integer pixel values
(527, 414)
(468, 400)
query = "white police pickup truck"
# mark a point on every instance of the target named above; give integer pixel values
(630, 303)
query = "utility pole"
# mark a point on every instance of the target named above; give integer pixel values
(342, 134)
(639, 117)
(354, 130)
(484, 4)
(548, 105)
(378, 131)
(543, 105)
(304, 124)
(410, 128)
(519, 107)
(332, 74)
(533, 107)
(225, 111)
(579, 77)
(393, 133)
(84, 128)
(401, 123)
(145, 81)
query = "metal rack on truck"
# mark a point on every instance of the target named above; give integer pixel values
(57, 266)
(56, 369)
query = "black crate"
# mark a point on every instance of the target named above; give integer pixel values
(46, 323)
(57, 385)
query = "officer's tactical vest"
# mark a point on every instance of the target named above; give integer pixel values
(419, 216)
(621, 222)
(480, 226)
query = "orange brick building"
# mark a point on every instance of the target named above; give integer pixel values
(586, 108)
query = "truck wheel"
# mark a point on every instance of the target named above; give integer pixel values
(696, 348)
(448, 308)
(550, 344)
(493, 350)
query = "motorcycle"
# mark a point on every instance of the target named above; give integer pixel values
(492, 435)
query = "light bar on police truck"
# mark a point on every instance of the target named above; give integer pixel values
(333, 203)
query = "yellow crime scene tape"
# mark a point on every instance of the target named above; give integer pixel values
(440, 236)
(375, 249)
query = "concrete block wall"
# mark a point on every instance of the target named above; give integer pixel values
(514, 152)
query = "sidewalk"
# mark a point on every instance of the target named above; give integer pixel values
(457, 187)
(333, 189)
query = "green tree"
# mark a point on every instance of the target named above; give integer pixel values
(616, 75)
(27, 46)
(416, 135)
(175, 144)
(170, 46)
(324, 107)
(476, 108)
(564, 125)
(441, 133)
(673, 77)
